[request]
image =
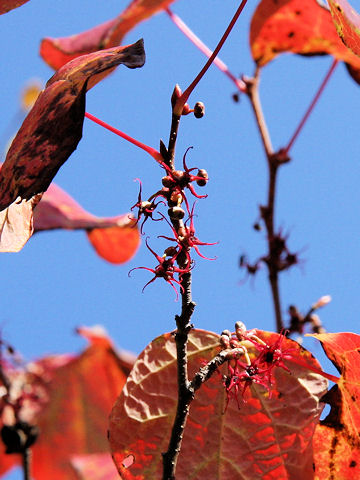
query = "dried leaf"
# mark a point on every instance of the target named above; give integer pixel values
(116, 239)
(298, 26)
(336, 439)
(268, 438)
(7, 5)
(16, 224)
(347, 23)
(57, 51)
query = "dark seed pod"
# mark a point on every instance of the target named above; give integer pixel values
(257, 226)
(176, 213)
(178, 175)
(199, 109)
(167, 181)
(17, 438)
(204, 177)
(170, 251)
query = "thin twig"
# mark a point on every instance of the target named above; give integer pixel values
(274, 160)
(312, 105)
(252, 91)
(184, 97)
(151, 151)
(240, 85)
(26, 463)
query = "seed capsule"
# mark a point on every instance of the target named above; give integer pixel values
(204, 177)
(176, 213)
(199, 109)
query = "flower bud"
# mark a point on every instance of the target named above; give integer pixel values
(226, 332)
(176, 213)
(167, 181)
(175, 95)
(170, 251)
(321, 302)
(240, 326)
(225, 341)
(204, 177)
(199, 110)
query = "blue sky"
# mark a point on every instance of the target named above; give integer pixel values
(57, 282)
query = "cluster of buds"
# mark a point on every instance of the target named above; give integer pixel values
(173, 191)
(279, 258)
(245, 369)
(298, 321)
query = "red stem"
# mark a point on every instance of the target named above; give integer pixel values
(184, 97)
(151, 151)
(240, 85)
(312, 105)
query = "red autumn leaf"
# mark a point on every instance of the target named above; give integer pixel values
(57, 51)
(7, 5)
(298, 26)
(53, 128)
(97, 466)
(116, 239)
(347, 23)
(267, 438)
(336, 439)
(76, 398)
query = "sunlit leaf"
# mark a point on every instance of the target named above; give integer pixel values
(116, 239)
(297, 26)
(267, 438)
(336, 439)
(53, 127)
(347, 23)
(75, 398)
(7, 5)
(57, 51)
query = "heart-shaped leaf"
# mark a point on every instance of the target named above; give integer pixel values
(116, 239)
(53, 128)
(58, 51)
(268, 437)
(336, 439)
(298, 26)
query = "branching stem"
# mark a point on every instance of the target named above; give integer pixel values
(184, 97)
(240, 85)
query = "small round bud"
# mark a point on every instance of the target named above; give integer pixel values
(240, 330)
(145, 204)
(170, 251)
(186, 109)
(178, 175)
(257, 227)
(175, 95)
(176, 213)
(204, 177)
(236, 97)
(224, 341)
(226, 332)
(199, 109)
(167, 181)
(175, 198)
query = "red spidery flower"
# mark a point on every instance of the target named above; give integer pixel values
(185, 237)
(145, 208)
(165, 269)
(177, 180)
